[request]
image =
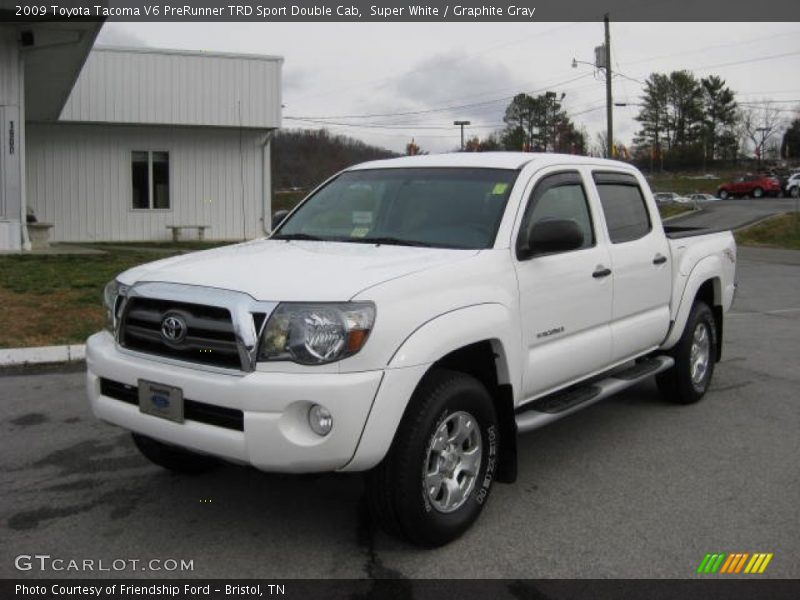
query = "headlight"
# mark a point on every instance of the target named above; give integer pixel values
(112, 294)
(315, 334)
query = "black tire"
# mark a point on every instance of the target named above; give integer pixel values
(677, 384)
(397, 495)
(173, 458)
(723, 194)
(795, 192)
(758, 193)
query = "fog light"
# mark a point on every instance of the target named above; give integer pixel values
(320, 420)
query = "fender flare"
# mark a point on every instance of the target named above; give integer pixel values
(430, 342)
(709, 268)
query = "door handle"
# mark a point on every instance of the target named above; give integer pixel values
(601, 271)
(659, 259)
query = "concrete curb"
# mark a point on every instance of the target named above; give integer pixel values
(42, 355)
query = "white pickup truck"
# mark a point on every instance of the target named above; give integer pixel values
(408, 319)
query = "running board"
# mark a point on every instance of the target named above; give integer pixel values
(555, 406)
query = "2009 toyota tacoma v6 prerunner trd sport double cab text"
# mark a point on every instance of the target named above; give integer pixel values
(408, 319)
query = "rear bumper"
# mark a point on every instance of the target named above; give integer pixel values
(275, 434)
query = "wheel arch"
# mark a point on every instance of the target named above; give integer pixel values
(705, 285)
(478, 340)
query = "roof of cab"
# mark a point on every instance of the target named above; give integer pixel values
(486, 160)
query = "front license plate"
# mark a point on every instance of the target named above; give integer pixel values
(161, 400)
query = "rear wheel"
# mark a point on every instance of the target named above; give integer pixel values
(436, 479)
(758, 193)
(688, 380)
(723, 194)
(173, 458)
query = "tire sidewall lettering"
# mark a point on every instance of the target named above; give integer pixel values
(482, 493)
(426, 504)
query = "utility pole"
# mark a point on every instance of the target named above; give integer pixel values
(609, 103)
(462, 123)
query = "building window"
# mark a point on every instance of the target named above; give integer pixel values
(150, 180)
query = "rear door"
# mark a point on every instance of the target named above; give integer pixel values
(565, 305)
(641, 273)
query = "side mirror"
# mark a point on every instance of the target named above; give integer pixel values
(277, 218)
(553, 235)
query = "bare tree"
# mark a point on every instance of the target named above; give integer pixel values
(760, 122)
(600, 146)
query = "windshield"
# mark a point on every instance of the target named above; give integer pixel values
(438, 207)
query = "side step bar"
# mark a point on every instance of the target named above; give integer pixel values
(555, 406)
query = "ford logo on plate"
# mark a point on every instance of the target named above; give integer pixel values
(173, 329)
(159, 401)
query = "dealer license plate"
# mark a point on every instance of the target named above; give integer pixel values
(161, 400)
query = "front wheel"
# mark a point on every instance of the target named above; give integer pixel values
(758, 193)
(437, 476)
(695, 355)
(795, 192)
(723, 194)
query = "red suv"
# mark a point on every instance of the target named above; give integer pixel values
(750, 185)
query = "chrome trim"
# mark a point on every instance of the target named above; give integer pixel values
(174, 362)
(240, 305)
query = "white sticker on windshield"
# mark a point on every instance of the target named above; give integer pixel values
(362, 217)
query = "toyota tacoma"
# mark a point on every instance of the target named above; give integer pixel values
(408, 320)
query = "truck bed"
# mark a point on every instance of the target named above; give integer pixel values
(682, 231)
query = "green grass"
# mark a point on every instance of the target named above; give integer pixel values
(286, 200)
(184, 246)
(57, 299)
(781, 231)
(685, 183)
(673, 210)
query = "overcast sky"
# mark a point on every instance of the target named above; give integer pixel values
(335, 70)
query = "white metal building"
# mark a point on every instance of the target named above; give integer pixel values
(148, 139)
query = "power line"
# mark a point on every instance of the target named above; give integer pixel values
(707, 48)
(439, 109)
(746, 61)
(380, 125)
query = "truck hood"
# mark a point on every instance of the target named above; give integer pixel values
(287, 271)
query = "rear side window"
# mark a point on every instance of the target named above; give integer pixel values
(623, 203)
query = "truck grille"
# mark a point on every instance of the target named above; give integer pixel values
(180, 330)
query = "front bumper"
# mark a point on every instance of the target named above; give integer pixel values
(276, 435)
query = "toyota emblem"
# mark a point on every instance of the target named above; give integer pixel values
(173, 329)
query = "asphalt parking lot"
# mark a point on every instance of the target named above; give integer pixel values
(632, 487)
(732, 214)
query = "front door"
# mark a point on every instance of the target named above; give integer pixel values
(565, 298)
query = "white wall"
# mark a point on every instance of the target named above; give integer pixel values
(79, 179)
(9, 67)
(12, 140)
(151, 86)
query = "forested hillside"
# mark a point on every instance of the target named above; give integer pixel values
(302, 158)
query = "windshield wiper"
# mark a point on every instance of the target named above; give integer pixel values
(387, 240)
(298, 236)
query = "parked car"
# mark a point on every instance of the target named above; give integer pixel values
(702, 198)
(408, 319)
(670, 198)
(793, 186)
(756, 186)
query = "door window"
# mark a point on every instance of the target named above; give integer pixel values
(557, 196)
(624, 206)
